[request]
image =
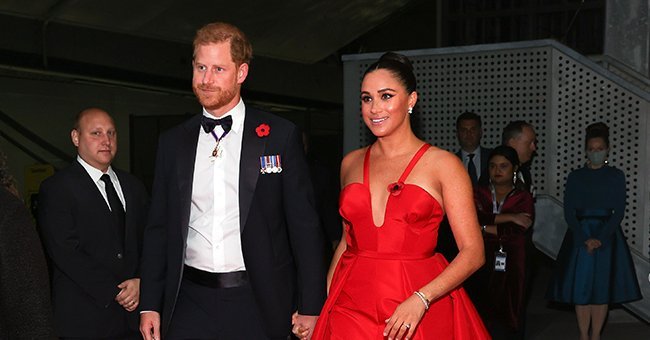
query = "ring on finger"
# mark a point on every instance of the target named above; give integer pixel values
(407, 325)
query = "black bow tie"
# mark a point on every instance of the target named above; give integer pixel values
(208, 124)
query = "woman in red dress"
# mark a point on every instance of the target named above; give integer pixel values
(386, 280)
(505, 212)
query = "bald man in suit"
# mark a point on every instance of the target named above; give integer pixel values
(92, 217)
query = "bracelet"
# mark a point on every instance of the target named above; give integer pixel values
(423, 298)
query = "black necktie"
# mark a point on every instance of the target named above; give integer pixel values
(117, 210)
(208, 124)
(471, 169)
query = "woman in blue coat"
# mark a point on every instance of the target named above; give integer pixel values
(594, 266)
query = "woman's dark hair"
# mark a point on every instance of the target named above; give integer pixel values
(397, 64)
(506, 151)
(597, 130)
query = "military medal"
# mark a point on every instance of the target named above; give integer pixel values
(217, 152)
(270, 164)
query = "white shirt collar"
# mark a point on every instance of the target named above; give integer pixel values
(95, 173)
(476, 152)
(238, 113)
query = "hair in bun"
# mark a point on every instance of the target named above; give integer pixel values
(598, 130)
(397, 64)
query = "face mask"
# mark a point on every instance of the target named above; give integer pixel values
(597, 158)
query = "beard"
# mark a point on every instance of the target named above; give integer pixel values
(213, 98)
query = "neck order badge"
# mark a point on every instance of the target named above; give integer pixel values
(209, 124)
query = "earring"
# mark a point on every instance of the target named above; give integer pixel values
(410, 110)
(514, 177)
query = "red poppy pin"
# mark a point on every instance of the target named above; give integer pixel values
(263, 130)
(395, 188)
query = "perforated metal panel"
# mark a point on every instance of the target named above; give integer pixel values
(582, 97)
(556, 90)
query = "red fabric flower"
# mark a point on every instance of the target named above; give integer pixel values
(395, 188)
(263, 130)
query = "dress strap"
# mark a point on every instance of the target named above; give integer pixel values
(414, 161)
(366, 166)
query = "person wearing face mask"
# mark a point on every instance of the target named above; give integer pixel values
(594, 267)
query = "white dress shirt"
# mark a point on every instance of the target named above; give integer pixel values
(96, 175)
(213, 239)
(476, 159)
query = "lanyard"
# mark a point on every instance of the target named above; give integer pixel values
(217, 150)
(496, 206)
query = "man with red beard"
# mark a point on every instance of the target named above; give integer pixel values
(233, 246)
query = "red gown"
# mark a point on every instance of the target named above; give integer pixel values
(384, 265)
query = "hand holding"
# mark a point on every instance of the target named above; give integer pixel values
(150, 325)
(303, 325)
(592, 244)
(405, 318)
(129, 296)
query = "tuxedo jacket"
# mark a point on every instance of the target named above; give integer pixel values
(281, 238)
(485, 154)
(88, 255)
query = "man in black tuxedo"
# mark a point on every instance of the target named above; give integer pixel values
(469, 131)
(92, 217)
(233, 246)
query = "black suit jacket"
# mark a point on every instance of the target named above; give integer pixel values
(25, 307)
(485, 153)
(281, 238)
(88, 256)
(524, 169)
(326, 195)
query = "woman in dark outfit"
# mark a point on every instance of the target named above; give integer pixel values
(25, 310)
(505, 212)
(594, 266)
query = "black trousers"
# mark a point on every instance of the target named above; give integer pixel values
(132, 335)
(216, 313)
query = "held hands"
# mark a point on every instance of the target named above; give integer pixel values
(303, 325)
(592, 244)
(402, 324)
(129, 296)
(150, 325)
